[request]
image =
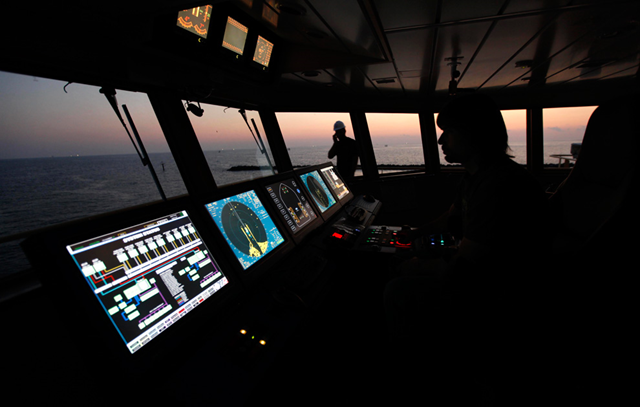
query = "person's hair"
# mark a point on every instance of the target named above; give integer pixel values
(479, 119)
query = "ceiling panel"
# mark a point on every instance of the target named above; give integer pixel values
(502, 46)
(348, 22)
(625, 65)
(456, 41)
(520, 6)
(323, 82)
(307, 28)
(383, 76)
(469, 9)
(396, 14)
(604, 44)
(353, 78)
(411, 49)
(579, 73)
(567, 28)
(625, 73)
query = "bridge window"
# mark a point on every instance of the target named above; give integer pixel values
(234, 150)
(308, 136)
(65, 155)
(563, 132)
(396, 140)
(516, 122)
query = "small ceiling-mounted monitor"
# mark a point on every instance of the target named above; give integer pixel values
(235, 36)
(196, 20)
(264, 48)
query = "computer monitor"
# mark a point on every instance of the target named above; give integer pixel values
(292, 205)
(264, 49)
(235, 36)
(195, 20)
(148, 275)
(246, 226)
(336, 184)
(319, 191)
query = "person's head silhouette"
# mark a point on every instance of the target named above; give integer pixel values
(473, 129)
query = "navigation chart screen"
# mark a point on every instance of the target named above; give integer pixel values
(246, 226)
(292, 205)
(335, 182)
(148, 276)
(318, 190)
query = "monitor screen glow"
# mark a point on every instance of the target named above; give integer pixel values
(262, 55)
(296, 211)
(318, 190)
(235, 36)
(196, 20)
(246, 226)
(148, 276)
(335, 182)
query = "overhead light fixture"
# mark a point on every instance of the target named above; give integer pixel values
(381, 81)
(311, 74)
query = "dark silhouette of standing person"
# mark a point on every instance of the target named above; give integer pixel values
(346, 149)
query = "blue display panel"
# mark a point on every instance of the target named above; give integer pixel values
(318, 190)
(246, 226)
(149, 275)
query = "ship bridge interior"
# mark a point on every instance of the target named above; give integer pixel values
(348, 56)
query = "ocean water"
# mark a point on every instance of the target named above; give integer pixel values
(40, 192)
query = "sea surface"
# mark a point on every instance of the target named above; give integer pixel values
(39, 192)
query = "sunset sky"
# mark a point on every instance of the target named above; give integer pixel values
(38, 119)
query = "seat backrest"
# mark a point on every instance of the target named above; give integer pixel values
(603, 178)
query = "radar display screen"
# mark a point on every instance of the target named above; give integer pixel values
(335, 182)
(148, 276)
(246, 226)
(318, 190)
(235, 36)
(292, 205)
(262, 55)
(195, 20)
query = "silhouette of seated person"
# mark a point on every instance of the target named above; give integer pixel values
(496, 217)
(591, 299)
(601, 183)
